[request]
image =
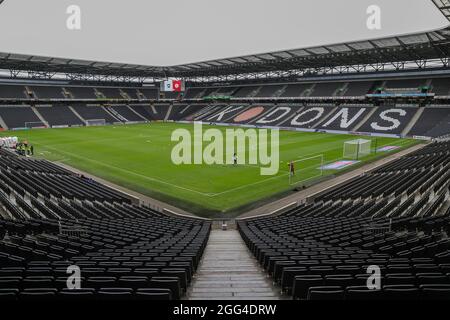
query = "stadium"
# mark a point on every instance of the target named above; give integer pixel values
(93, 205)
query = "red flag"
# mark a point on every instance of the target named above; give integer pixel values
(176, 85)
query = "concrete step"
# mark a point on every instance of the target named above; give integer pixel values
(229, 271)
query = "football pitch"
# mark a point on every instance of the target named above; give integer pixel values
(138, 157)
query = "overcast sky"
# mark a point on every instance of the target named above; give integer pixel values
(172, 32)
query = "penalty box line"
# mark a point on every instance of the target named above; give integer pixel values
(129, 172)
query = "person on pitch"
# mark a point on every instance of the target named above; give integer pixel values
(234, 159)
(291, 168)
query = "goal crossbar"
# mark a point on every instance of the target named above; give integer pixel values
(355, 149)
(95, 122)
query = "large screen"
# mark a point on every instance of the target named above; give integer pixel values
(172, 86)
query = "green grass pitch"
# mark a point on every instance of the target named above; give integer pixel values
(138, 157)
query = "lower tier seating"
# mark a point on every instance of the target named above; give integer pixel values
(51, 219)
(323, 250)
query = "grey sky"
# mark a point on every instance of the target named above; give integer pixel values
(171, 32)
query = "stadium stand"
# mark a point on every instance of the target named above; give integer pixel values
(130, 93)
(381, 121)
(357, 89)
(326, 89)
(269, 91)
(82, 92)
(172, 95)
(394, 217)
(441, 86)
(59, 115)
(148, 93)
(12, 91)
(94, 113)
(434, 122)
(144, 111)
(295, 90)
(161, 111)
(127, 113)
(16, 117)
(47, 92)
(193, 93)
(109, 93)
(247, 92)
(180, 111)
(126, 251)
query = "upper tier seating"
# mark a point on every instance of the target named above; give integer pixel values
(132, 93)
(269, 91)
(82, 92)
(328, 89)
(358, 88)
(149, 93)
(47, 92)
(441, 86)
(172, 95)
(12, 91)
(405, 83)
(110, 93)
(193, 93)
(295, 90)
(245, 92)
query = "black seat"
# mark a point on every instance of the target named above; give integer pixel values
(303, 283)
(80, 294)
(115, 294)
(172, 283)
(37, 294)
(435, 292)
(133, 282)
(101, 282)
(10, 282)
(288, 274)
(399, 279)
(154, 294)
(400, 292)
(362, 293)
(38, 282)
(179, 273)
(8, 294)
(326, 293)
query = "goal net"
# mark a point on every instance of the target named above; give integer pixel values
(36, 124)
(356, 149)
(305, 169)
(95, 122)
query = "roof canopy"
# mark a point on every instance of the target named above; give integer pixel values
(430, 45)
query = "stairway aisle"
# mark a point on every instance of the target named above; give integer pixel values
(228, 271)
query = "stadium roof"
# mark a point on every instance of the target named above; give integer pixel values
(415, 47)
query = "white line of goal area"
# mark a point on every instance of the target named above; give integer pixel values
(188, 189)
(126, 171)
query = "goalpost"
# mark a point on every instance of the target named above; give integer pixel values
(35, 124)
(95, 122)
(356, 149)
(306, 169)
